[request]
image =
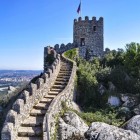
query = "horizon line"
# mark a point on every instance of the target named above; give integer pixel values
(23, 69)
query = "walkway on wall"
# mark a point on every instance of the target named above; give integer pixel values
(32, 127)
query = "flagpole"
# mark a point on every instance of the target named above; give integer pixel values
(81, 9)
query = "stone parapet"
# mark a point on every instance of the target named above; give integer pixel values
(62, 48)
(27, 99)
(56, 105)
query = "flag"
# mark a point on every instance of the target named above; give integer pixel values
(79, 8)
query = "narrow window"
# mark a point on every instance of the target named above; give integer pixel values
(94, 28)
(82, 41)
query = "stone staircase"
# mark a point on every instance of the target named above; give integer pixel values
(32, 127)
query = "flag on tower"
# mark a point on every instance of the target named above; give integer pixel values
(79, 8)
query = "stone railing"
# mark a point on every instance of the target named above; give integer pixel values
(27, 99)
(56, 106)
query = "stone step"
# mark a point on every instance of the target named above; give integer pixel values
(64, 73)
(38, 112)
(33, 121)
(65, 70)
(64, 64)
(42, 105)
(56, 90)
(63, 76)
(45, 100)
(50, 96)
(65, 67)
(62, 80)
(29, 138)
(53, 92)
(30, 131)
(60, 83)
(58, 86)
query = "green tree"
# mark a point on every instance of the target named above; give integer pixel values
(132, 59)
(113, 58)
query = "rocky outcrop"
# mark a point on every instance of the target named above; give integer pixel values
(111, 86)
(137, 110)
(114, 101)
(75, 106)
(102, 131)
(129, 101)
(124, 112)
(101, 89)
(71, 127)
(133, 124)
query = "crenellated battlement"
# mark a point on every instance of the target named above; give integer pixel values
(86, 19)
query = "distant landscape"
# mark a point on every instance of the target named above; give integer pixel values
(15, 78)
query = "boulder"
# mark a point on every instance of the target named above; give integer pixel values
(125, 113)
(111, 86)
(68, 132)
(73, 119)
(114, 101)
(101, 89)
(102, 131)
(130, 103)
(124, 97)
(129, 100)
(73, 106)
(133, 124)
(71, 127)
(137, 110)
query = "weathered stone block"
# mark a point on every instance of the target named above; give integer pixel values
(18, 106)
(45, 77)
(11, 117)
(7, 132)
(32, 88)
(40, 83)
(25, 96)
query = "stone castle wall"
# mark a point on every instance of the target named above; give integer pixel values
(59, 49)
(33, 94)
(27, 99)
(62, 48)
(67, 95)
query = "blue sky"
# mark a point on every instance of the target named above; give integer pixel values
(27, 26)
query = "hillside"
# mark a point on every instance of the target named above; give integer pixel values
(103, 83)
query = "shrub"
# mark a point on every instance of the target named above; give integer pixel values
(103, 74)
(108, 116)
(72, 54)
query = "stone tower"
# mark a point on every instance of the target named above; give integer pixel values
(88, 35)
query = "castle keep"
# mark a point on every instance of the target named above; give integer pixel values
(88, 35)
